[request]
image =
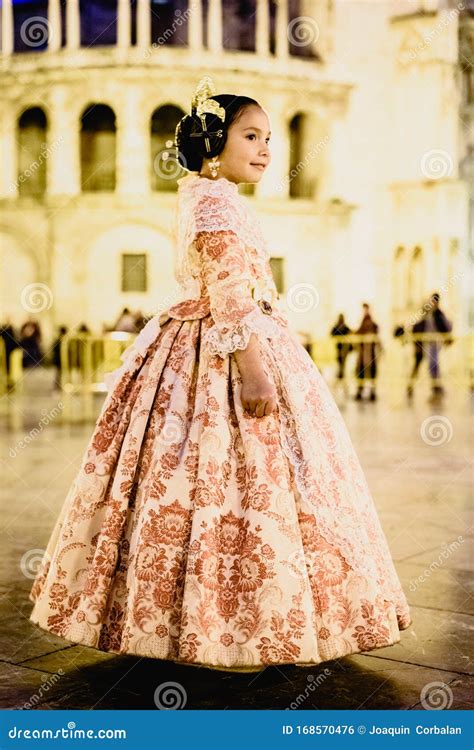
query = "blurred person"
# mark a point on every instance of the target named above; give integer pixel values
(366, 368)
(57, 358)
(125, 322)
(342, 349)
(434, 320)
(8, 334)
(30, 342)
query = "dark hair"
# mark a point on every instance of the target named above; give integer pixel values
(192, 150)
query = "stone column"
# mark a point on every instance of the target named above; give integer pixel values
(63, 168)
(133, 148)
(8, 153)
(263, 28)
(143, 24)
(73, 29)
(195, 25)
(214, 25)
(54, 25)
(123, 24)
(7, 28)
(281, 40)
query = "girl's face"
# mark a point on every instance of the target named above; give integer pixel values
(246, 153)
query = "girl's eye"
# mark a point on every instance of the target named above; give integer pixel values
(252, 135)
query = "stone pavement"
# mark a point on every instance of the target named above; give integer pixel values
(419, 468)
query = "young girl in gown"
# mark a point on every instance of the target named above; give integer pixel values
(220, 516)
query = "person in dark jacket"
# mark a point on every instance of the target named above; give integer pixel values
(434, 320)
(418, 352)
(342, 349)
(366, 369)
(7, 332)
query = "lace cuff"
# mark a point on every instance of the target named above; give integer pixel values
(223, 340)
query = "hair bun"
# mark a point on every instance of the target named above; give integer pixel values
(191, 140)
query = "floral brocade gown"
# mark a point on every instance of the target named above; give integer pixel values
(196, 532)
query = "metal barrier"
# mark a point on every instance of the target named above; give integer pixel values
(13, 380)
(396, 359)
(85, 358)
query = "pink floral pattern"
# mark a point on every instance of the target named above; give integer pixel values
(197, 533)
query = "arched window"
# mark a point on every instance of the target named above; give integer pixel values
(165, 169)
(98, 148)
(301, 176)
(32, 152)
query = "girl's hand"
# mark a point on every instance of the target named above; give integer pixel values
(258, 396)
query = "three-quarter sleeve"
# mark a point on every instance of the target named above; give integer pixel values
(226, 274)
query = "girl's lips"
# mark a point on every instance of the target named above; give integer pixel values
(259, 166)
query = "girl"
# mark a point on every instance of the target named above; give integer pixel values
(220, 517)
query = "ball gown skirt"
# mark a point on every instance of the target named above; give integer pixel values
(197, 533)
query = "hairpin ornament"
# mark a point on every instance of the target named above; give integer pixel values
(202, 104)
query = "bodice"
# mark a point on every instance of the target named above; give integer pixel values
(228, 211)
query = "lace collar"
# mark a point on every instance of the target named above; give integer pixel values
(194, 181)
(192, 216)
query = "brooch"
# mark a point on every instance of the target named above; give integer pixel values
(265, 306)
